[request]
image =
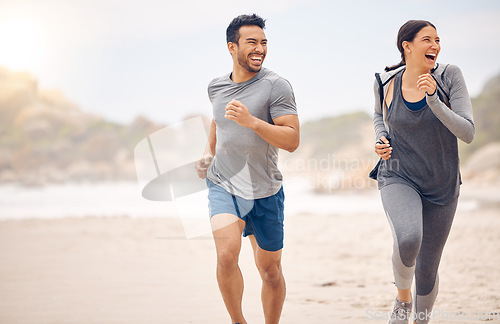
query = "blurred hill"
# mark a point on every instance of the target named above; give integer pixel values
(481, 158)
(334, 154)
(46, 138)
(486, 118)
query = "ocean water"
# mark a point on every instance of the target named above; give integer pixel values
(124, 199)
(79, 200)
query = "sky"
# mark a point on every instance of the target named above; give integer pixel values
(155, 58)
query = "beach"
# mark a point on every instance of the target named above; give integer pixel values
(337, 267)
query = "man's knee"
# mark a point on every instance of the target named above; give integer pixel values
(270, 273)
(227, 257)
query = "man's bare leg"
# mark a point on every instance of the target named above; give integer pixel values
(273, 283)
(227, 229)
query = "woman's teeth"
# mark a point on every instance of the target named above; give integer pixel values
(431, 56)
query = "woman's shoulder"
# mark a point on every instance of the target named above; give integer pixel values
(447, 70)
(449, 74)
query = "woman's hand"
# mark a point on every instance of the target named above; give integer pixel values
(383, 150)
(426, 82)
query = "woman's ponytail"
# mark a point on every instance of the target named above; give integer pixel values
(395, 66)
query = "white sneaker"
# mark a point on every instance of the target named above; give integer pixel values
(401, 313)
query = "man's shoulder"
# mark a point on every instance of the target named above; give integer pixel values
(272, 76)
(219, 80)
(278, 82)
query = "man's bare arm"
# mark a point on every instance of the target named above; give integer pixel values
(202, 164)
(284, 134)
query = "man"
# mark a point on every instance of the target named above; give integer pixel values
(254, 115)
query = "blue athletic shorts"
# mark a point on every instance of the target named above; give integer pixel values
(263, 217)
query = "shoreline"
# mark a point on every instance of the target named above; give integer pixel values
(123, 199)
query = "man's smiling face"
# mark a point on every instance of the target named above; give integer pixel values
(251, 49)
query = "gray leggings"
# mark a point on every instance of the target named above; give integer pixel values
(419, 230)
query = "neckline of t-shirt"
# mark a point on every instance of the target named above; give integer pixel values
(255, 77)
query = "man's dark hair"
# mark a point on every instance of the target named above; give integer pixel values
(232, 31)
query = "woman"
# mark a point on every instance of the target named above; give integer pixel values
(422, 107)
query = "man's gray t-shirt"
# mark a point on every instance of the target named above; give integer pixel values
(245, 164)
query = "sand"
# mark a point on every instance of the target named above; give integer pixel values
(142, 270)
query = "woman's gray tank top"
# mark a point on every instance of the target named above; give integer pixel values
(425, 152)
